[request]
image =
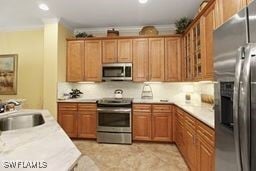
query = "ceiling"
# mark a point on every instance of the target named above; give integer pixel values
(95, 13)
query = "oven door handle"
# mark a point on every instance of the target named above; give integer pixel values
(114, 110)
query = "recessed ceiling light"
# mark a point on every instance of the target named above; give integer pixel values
(143, 1)
(43, 7)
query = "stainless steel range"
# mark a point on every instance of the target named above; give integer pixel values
(114, 119)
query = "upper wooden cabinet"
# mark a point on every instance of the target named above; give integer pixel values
(156, 59)
(172, 59)
(117, 51)
(75, 61)
(84, 60)
(227, 8)
(187, 57)
(140, 60)
(125, 50)
(92, 60)
(109, 53)
(207, 21)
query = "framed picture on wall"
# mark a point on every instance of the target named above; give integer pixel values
(8, 74)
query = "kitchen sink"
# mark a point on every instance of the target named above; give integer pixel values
(21, 121)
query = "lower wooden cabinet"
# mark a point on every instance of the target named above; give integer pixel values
(68, 121)
(78, 119)
(152, 126)
(195, 141)
(142, 126)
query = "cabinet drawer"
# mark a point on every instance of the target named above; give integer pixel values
(87, 107)
(190, 121)
(67, 106)
(162, 108)
(141, 108)
(180, 115)
(205, 133)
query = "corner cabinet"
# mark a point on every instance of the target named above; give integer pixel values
(84, 60)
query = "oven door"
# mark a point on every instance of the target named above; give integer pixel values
(111, 119)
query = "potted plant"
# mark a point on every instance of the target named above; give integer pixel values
(182, 24)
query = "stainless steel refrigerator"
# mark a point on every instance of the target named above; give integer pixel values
(235, 92)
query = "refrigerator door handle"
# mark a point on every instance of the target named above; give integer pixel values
(238, 69)
(244, 107)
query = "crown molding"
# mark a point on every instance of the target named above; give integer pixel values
(126, 29)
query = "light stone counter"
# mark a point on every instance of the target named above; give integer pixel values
(47, 142)
(202, 112)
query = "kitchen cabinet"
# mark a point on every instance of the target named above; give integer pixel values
(156, 59)
(197, 50)
(92, 60)
(207, 21)
(195, 141)
(67, 118)
(117, 51)
(205, 148)
(140, 60)
(141, 122)
(187, 55)
(125, 50)
(87, 120)
(172, 59)
(190, 142)
(227, 8)
(152, 122)
(109, 51)
(78, 120)
(75, 61)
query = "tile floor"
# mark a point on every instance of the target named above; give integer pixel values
(135, 157)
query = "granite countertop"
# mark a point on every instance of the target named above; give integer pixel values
(47, 142)
(202, 112)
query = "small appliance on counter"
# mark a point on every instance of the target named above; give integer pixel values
(118, 94)
(147, 92)
(114, 121)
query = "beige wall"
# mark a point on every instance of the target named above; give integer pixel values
(29, 47)
(54, 63)
(41, 63)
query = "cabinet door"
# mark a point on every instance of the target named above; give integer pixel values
(207, 21)
(205, 156)
(109, 54)
(141, 126)
(190, 142)
(156, 59)
(87, 124)
(140, 60)
(75, 61)
(179, 136)
(87, 120)
(172, 59)
(228, 8)
(124, 50)
(162, 127)
(68, 121)
(92, 61)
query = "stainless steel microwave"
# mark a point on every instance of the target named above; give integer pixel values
(117, 72)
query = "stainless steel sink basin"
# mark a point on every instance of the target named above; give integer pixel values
(21, 121)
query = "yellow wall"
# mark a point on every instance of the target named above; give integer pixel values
(62, 49)
(29, 47)
(54, 63)
(41, 63)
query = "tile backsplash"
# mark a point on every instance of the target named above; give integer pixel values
(173, 91)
